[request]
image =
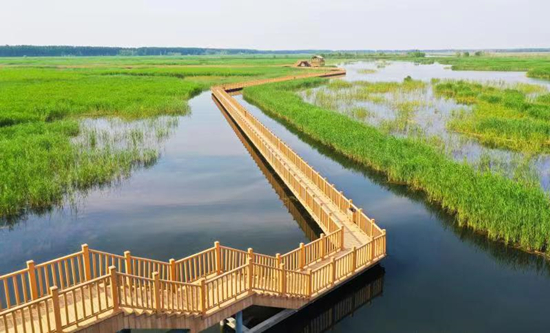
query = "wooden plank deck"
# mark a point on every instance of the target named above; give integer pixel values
(93, 291)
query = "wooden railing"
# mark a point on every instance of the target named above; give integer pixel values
(62, 293)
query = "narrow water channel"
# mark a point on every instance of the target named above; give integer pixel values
(206, 187)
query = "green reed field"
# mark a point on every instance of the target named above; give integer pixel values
(488, 202)
(47, 153)
(515, 118)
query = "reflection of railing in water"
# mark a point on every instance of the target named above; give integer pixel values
(99, 288)
(302, 218)
(333, 308)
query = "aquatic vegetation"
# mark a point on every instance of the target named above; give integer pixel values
(485, 201)
(367, 71)
(45, 163)
(48, 154)
(502, 116)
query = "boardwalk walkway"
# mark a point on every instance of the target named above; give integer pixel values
(95, 291)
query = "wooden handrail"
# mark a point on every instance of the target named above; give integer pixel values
(211, 279)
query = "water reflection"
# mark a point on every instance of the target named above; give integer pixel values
(205, 187)
(335, 307)
(439, 279)
(293, 205)
(514, 258)
(421, 114)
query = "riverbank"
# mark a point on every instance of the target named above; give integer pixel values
(483, 201)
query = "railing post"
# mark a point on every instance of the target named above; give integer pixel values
(322, 246)
(54, 292)
(203, 296)
(250, 254)
(341, 238)
(279, 259)
(372, 246)
(351, 211)
(127, 262)
(114, 287)
(333, 275)
(384, 241)
(173, 275)
(86, 261)
(32, 279)
(218, 252)
(301, 256)
(353, 260)
(250, 265)
(156, 287)
(282, 277)
(309, 283)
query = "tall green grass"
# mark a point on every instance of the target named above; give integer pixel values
(487, 202)
(507, 117)
(47, 154)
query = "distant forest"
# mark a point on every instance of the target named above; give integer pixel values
(87, 51)
(76, 51)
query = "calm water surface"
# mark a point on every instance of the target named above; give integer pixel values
(207, 187)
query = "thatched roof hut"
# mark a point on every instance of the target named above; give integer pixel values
(317, 61)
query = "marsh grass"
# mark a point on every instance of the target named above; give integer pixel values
(485, 201)
(513, 117)
(45, 164)
(48, 153)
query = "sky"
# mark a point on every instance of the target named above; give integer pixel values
(278, 24)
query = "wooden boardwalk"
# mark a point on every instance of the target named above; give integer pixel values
(97, 291)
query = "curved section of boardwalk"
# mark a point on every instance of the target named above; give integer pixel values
(97, 291)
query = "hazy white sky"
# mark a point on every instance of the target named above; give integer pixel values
(278, 24)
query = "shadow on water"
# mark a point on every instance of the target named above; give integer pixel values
(514, 258)
(331, 309)
(293, 205)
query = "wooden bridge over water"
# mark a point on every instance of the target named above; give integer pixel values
(95, 291)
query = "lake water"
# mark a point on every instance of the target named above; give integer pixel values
(207, 187)
(420, 113)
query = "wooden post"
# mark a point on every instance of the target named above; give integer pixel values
(218, 251)
(301, 256)
(250, 265)
(114, 288)
(173, 275)
(353, 260)
(340, 201)
(250, 254)
(279, 259)
(128, 262)
(86, 261)
(203, 295)
(372, 242)
(333, 275)
(372, 228)
(322, 246)
(156, 287)
(384, 241)
(54, 292)
(282, 277)
(341, 238)
(32, 279)
(309, 283)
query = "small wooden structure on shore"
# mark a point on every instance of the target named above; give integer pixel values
(316, 61)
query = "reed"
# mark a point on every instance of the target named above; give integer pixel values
(48, 152)
(502, 116)
(484, 201)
